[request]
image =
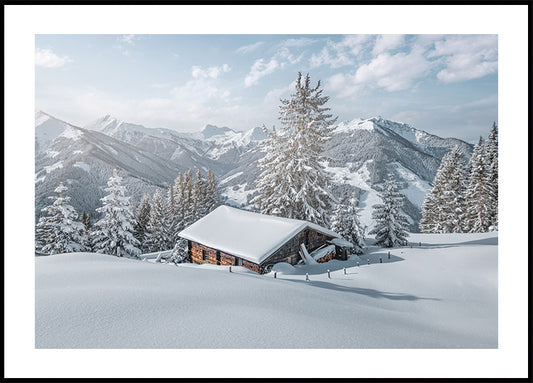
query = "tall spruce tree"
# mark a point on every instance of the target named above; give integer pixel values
(187, 204)
(346, 223)
(213, 193)
(444, 206)
(58, 231)
(158, 236)
(178, 217)
(142, 216)
(113, 233)
(172, 213)
(293, 179)
(492, 174)
(86, 231)
(199, 197)
(391, 224)
(477, 217)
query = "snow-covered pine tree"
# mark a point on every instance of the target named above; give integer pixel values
(391, 224)
(272, 197)
(479, 193)
(454, 192)
(199, 197)
(158, 234)
(213, 193)
(444, 206)
(431, 220)
(492, 174)
(58, 231)
(142, 216)
(172, 213)
(296, 181)
(346, 223)
(180, 251)
(86, 231)
(113, 233)
(186, 199)
(179, 208)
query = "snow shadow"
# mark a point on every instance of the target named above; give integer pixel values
(372, 293)
(493, 241)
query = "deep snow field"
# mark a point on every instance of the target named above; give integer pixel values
(442, 294)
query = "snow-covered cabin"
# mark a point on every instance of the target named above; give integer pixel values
(230, 236)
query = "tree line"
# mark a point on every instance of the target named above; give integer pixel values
(124, 230)
(464, 196)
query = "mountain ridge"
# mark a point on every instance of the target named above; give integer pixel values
(360, 153)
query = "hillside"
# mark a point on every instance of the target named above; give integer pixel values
(442, 294)
(359, 155)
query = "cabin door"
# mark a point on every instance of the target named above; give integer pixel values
(218, 257)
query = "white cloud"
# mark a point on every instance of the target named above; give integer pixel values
(466, 57)
(301, 42)
(326, 57)
(274, 95)
(391, 72)
(211, 72)
(387, 42)
(249, 48)
(260, 69)
(48, 59)
(342, 53)
(343, 85)
(394, 72)
(125, 41)
(128, 39)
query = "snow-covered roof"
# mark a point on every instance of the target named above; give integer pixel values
(244, 234)
(322, 251)
(341, 242)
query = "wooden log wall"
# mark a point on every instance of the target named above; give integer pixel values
(326, 257)
(289, 252)
(227, 260)
(197, 255)
(252, 266)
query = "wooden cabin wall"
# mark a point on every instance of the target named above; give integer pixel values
(252, 266)
(227, 260)
(197, 253)
(289, 252)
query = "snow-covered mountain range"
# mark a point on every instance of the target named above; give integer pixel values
(360, 154)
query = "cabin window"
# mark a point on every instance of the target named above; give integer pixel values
(205, 255)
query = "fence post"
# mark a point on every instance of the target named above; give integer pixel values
(344, 269)
(306, 276)
(388, 255)
(329, 276)
(274, 274)
(230, 269)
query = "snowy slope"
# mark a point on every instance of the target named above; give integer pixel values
(47, 129)
(442, 294)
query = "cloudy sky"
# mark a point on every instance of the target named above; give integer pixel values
(443, 84)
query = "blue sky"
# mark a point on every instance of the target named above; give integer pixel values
(443, 84)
